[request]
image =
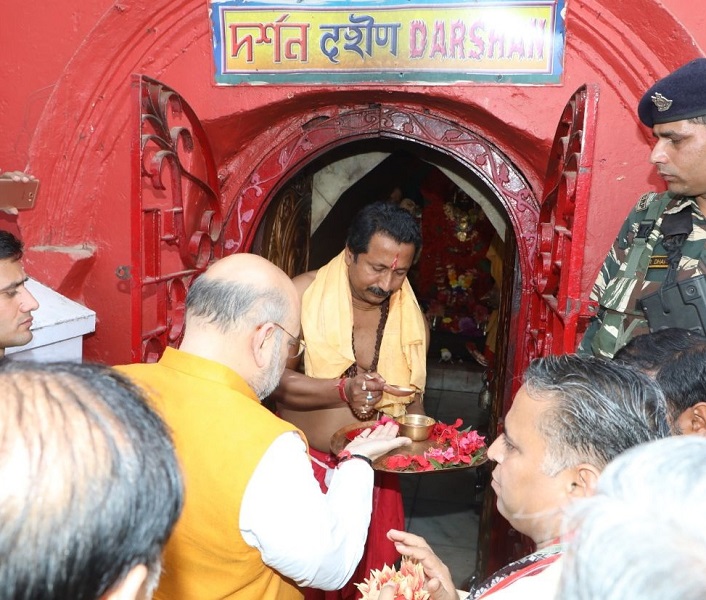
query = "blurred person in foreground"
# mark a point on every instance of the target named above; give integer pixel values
(640, 537)
(92, 487)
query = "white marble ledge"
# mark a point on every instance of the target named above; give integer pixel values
(59, 326)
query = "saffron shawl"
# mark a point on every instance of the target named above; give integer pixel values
(327, 324)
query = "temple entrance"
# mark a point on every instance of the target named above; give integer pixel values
(459, 283)
(294, 206)
(479, 264)
(458, 278)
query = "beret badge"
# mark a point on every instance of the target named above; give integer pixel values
(661, 102)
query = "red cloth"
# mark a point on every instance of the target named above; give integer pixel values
(388, 513)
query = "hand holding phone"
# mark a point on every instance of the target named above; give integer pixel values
(18, 190)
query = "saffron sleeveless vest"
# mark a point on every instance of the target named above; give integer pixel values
(220, 431)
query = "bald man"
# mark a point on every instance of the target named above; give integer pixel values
(255, 523)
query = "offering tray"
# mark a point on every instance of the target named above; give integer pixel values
(403, 461)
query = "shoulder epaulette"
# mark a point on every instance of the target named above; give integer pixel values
(645, 200)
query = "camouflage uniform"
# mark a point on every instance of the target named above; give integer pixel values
(622, 281)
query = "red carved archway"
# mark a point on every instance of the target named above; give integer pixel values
(471, 150)
(418, 126)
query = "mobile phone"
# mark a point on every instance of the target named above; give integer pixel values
(18, 194)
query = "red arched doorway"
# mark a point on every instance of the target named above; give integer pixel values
(179, 208)
(424, 127)
(470, 152)
(185, 221)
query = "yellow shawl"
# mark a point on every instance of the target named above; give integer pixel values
(327, 323)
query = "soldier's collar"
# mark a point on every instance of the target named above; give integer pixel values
(679, 203)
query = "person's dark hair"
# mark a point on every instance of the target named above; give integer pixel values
(683, 380)
(10, 247)
(92, 486)
(651, 351)
(599, 409)
(386, 218)
(227, 304)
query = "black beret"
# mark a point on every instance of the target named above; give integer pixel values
(678, 96)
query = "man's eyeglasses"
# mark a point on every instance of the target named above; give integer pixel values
(296, 346)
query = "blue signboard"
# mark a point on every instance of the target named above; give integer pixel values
(388, 41)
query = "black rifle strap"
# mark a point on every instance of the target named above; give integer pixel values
(675, 228)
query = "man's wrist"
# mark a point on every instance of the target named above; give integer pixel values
(341, 385)
(345, 455)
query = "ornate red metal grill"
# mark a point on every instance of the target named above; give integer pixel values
(559, 313)
(176, 220)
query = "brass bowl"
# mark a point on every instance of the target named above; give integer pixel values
(416, 427)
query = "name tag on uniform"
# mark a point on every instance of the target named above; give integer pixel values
(658, 262)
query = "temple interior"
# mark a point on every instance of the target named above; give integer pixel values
(444, 507)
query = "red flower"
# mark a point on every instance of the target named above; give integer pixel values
(398, 462)
(461, 447)
(470, 441)
(452, 448)
(442, 432)
(406, 462)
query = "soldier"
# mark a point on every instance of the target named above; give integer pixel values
(653, 277)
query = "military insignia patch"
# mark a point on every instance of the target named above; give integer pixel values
(645, 201)
(658, 262)
(661, 102)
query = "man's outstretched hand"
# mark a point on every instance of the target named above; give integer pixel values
(374, 442)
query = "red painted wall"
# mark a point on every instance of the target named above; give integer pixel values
(66, 116)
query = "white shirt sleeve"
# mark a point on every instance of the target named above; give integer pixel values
(315, 539)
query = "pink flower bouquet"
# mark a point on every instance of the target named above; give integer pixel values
(408, 581)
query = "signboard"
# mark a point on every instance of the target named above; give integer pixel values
(387, 41)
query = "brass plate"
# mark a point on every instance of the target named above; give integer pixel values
(339, 441)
